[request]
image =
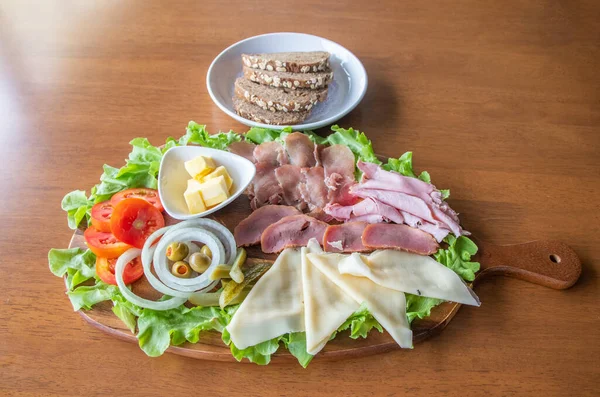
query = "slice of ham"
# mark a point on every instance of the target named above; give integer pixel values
(290, 178)
(265, 188)
(300, 149)
(338, 159)
(291, 231)
(271, 153)
(244, 149)
(374, 177)
(346, 237)
(338, 163)
(399, 237)
(248, 231)
(402, 201)
(367, 207)
(439, 233)
(313, 189)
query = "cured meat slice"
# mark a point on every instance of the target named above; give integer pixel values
(399, 237)
(271, 153)
(338, 159)
(313, 189)
(346, 237)
(290, 179)
(439, 233)
(376, 178)
(244, 149)
(265, 188)
(291, 231)
(367, 207)
(248, 231)
(300, 149)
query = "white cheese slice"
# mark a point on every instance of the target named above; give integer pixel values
(326, 306)
(388, 306)
(274, 306)
(411, 273)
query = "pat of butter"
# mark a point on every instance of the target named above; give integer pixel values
(199, 166)
(214, 191)
(194, 201)
(219, 171)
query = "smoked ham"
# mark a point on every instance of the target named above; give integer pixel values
(346, 237)
(290, 178)
(244, 149)
(248, 231)
(291, 231)
(399, 237)
(300, 149)
(271, 153)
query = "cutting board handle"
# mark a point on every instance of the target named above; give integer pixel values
(549, 263)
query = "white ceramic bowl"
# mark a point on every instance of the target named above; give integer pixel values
(345, 92)
(172, 177)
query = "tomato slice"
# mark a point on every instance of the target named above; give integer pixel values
(150, 195)
(101, 214)
(104, 244)
(134, 220)
(105, 269)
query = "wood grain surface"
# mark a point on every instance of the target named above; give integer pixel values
(499, 101)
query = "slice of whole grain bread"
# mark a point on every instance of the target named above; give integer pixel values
(282, 99)
(260, 115)
(287, 79)
(296, 62)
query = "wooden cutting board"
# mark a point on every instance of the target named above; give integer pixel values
(548, 263)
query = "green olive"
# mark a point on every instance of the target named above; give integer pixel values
(206, 251)
(181, 269)
(177, 251)
(199, 262)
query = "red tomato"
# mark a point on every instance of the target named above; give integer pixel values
(105, 269)
(134, 220)
(104, 244)
(150, 195)
(101, 214)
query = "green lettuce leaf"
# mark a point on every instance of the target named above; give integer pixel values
(457, 256)
(159, 329)
(77, 205)
(196, 134)
(404, 166)
(419, 306)
(357, 141)
(86, 296)
(259, 135)
(77, 264)
(295, 342)
(360, 323)
(259, 354)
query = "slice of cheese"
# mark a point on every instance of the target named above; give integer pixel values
(274, 306)
(199, 166)
(326, 306)
(219, 171)
(388, 306)
(214, 191)
(411, 273)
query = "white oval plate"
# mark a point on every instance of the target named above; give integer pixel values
(172, 177)
(345, 92)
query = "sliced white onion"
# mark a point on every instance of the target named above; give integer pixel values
(123, 260)
(161, 264)
(219, 230)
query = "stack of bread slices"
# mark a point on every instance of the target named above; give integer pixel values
(282, 88)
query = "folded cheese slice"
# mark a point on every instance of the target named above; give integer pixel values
(326, 306)
(274, 306)
(411, 273)
(388, 306)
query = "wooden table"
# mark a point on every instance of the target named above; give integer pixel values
(499, 100)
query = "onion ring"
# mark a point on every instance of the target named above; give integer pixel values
(216, 228)
(161, 265)
(123, 260)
